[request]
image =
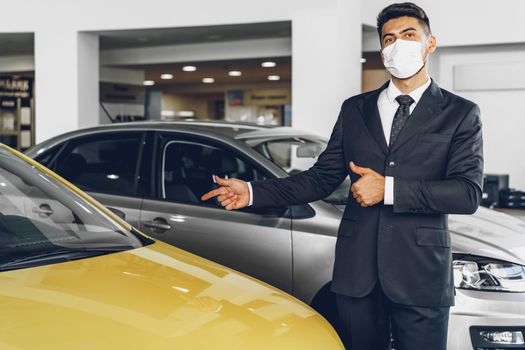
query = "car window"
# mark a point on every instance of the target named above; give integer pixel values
(297, 154)
(188, 168)
(106, 163)
(46, 158)
(293, 155)
(41, 221)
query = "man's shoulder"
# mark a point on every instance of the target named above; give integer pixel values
(452, 98)
(359, 98)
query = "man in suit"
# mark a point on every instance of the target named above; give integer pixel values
(414, 154)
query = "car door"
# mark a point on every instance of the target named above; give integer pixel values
(256, 242)
(106, 165)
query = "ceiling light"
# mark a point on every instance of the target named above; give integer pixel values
(268, 64)
(148, 83)
(166, 76)
(234, 73)
(185, 114)
(363, 60)
(208, 80)
(189, 68)
(274, 77)
(167, 113)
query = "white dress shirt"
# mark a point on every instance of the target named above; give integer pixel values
(387, 105)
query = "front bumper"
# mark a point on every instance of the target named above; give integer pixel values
(475, 311)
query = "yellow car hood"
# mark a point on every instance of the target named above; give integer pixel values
(156, 297)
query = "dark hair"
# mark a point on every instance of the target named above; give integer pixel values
(403, 9)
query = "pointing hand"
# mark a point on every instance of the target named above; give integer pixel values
(232, 193)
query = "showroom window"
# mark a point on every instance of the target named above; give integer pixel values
(188, 168)
(103, 164)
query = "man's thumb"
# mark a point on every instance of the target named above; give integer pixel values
(357, 169)
(221, 181)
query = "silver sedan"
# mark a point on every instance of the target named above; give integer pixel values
(153, 174)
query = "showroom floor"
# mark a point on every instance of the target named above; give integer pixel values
(520, 213)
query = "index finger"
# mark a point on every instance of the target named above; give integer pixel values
(214, 193)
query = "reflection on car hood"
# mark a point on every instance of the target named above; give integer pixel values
(489, 233)
(156, 297)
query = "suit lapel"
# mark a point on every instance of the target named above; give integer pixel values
(427, 108)
(372, 119)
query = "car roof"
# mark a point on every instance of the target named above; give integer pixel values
(239, 131)
(225, 128)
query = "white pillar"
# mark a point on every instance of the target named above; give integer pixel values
(66, 81)
(88, 79)
(326, 68)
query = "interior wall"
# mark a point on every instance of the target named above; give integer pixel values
(373, 79)
(502, 111)
(177, 102)
(465, 22)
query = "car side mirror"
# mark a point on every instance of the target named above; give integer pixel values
(117, 212)
(309, 150)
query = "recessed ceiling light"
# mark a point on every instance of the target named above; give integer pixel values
(166, 76)
(185, 114)
(148, 82)
(268, 64)
(208, 80)
(189, 68)
(167, 113)
(274, 77)
(363, 60)
(234, 73)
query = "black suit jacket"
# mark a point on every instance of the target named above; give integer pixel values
(437, 165)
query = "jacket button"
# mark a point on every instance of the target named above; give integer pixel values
(392, 164)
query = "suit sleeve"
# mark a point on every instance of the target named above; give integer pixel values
(316, 183)
(461, 189)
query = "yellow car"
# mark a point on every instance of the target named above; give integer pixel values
(73, 275)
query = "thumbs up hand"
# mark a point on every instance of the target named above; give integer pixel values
(370, 188)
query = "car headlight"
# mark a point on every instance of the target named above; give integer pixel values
(479, 273)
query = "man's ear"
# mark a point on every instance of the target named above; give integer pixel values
(432, 44)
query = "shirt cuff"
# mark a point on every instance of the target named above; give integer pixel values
(389, 190)
(250, 202)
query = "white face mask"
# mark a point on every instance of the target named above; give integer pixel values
(403, 58)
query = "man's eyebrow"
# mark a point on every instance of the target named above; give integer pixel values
(401, 32)
(407, 29)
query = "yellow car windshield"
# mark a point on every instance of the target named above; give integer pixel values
(43, 222)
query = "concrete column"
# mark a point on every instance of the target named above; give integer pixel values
(88, 79)
(326, 68)
(66, 81)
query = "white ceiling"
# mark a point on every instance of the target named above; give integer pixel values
(135, 38)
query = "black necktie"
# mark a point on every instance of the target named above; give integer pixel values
(401, 116)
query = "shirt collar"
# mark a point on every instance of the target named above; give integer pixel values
(392, 91)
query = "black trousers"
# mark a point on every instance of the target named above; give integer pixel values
(367, 323)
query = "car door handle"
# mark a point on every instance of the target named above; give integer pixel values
(158, 224)
(44, 210)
